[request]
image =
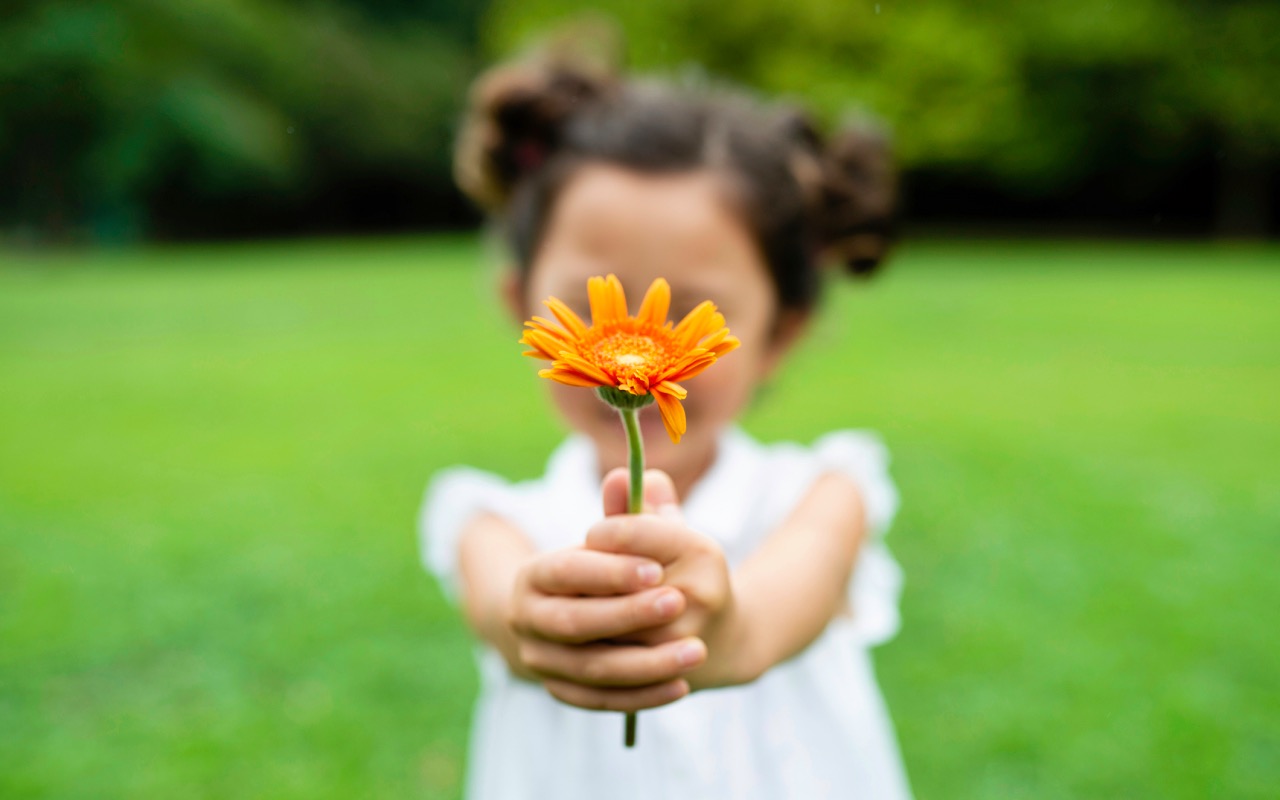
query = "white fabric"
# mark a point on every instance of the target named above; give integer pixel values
(812, 727)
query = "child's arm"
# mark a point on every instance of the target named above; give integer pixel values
(546, 612)
(774, 604)
(789, 590)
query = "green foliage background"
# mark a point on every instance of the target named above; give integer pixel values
(114, 106)
(211, 460)
(117, 115)
(1038, 92)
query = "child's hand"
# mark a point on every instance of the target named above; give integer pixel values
(565, 606)
(693, 563)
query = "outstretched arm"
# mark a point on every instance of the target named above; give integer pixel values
(791, 588)
(491, 552)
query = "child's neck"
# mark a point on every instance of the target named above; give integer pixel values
(687, 475)
(685, 472)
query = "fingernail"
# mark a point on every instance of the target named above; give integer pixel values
(667, 604)
(649, 574)
(690, 653)
(670, 511)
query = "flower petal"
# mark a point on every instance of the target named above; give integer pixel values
(543, 325)
(546, 344)
(585, 367)
(729, 344)
(608, 301)
(656, 303)
(571, 321)
(568, 377)
(547, 326)
(715, 338)
(637, 386)
(672, 388)
(720, 342)
(619, 297)
(698, 323)
(703, 308)
(673, 418)
(598, 297)
(713, 324)
(690, 364)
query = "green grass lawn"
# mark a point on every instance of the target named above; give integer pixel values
(211, 460)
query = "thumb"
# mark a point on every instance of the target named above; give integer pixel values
(660, 494)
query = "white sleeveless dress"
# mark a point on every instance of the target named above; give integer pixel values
(812, 727)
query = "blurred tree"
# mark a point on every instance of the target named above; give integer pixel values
(112, 111)
(1042, 96)
(123, 118)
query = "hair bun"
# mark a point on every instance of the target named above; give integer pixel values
(858, 198)
(515, 122)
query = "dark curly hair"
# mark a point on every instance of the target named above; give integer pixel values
(806, 198)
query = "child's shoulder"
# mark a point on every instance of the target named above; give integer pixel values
(564, 498)
(571, 466)
(849, 448)
(788, 468)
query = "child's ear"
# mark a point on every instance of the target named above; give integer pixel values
(511, 289)
(789, 328)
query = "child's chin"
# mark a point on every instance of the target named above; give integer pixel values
(659, 450)
(653, 431)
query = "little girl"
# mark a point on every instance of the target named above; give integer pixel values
(741, 605)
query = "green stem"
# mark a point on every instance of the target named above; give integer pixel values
(635, 504)
(635, 447)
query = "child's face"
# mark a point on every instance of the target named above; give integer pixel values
(679, 227)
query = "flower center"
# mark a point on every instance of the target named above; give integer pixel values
(631, 357)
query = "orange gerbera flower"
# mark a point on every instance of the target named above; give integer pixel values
(644, 356)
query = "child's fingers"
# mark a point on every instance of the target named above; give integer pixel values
(659, 538)
(614, 666)
(595, 699)
(575, 571)
(659, 492)
(584, 619)
(650, 637)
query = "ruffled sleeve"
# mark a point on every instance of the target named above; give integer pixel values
(876, 586)
(865, 459)
(454, 497)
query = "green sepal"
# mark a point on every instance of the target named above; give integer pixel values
(622, 399)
